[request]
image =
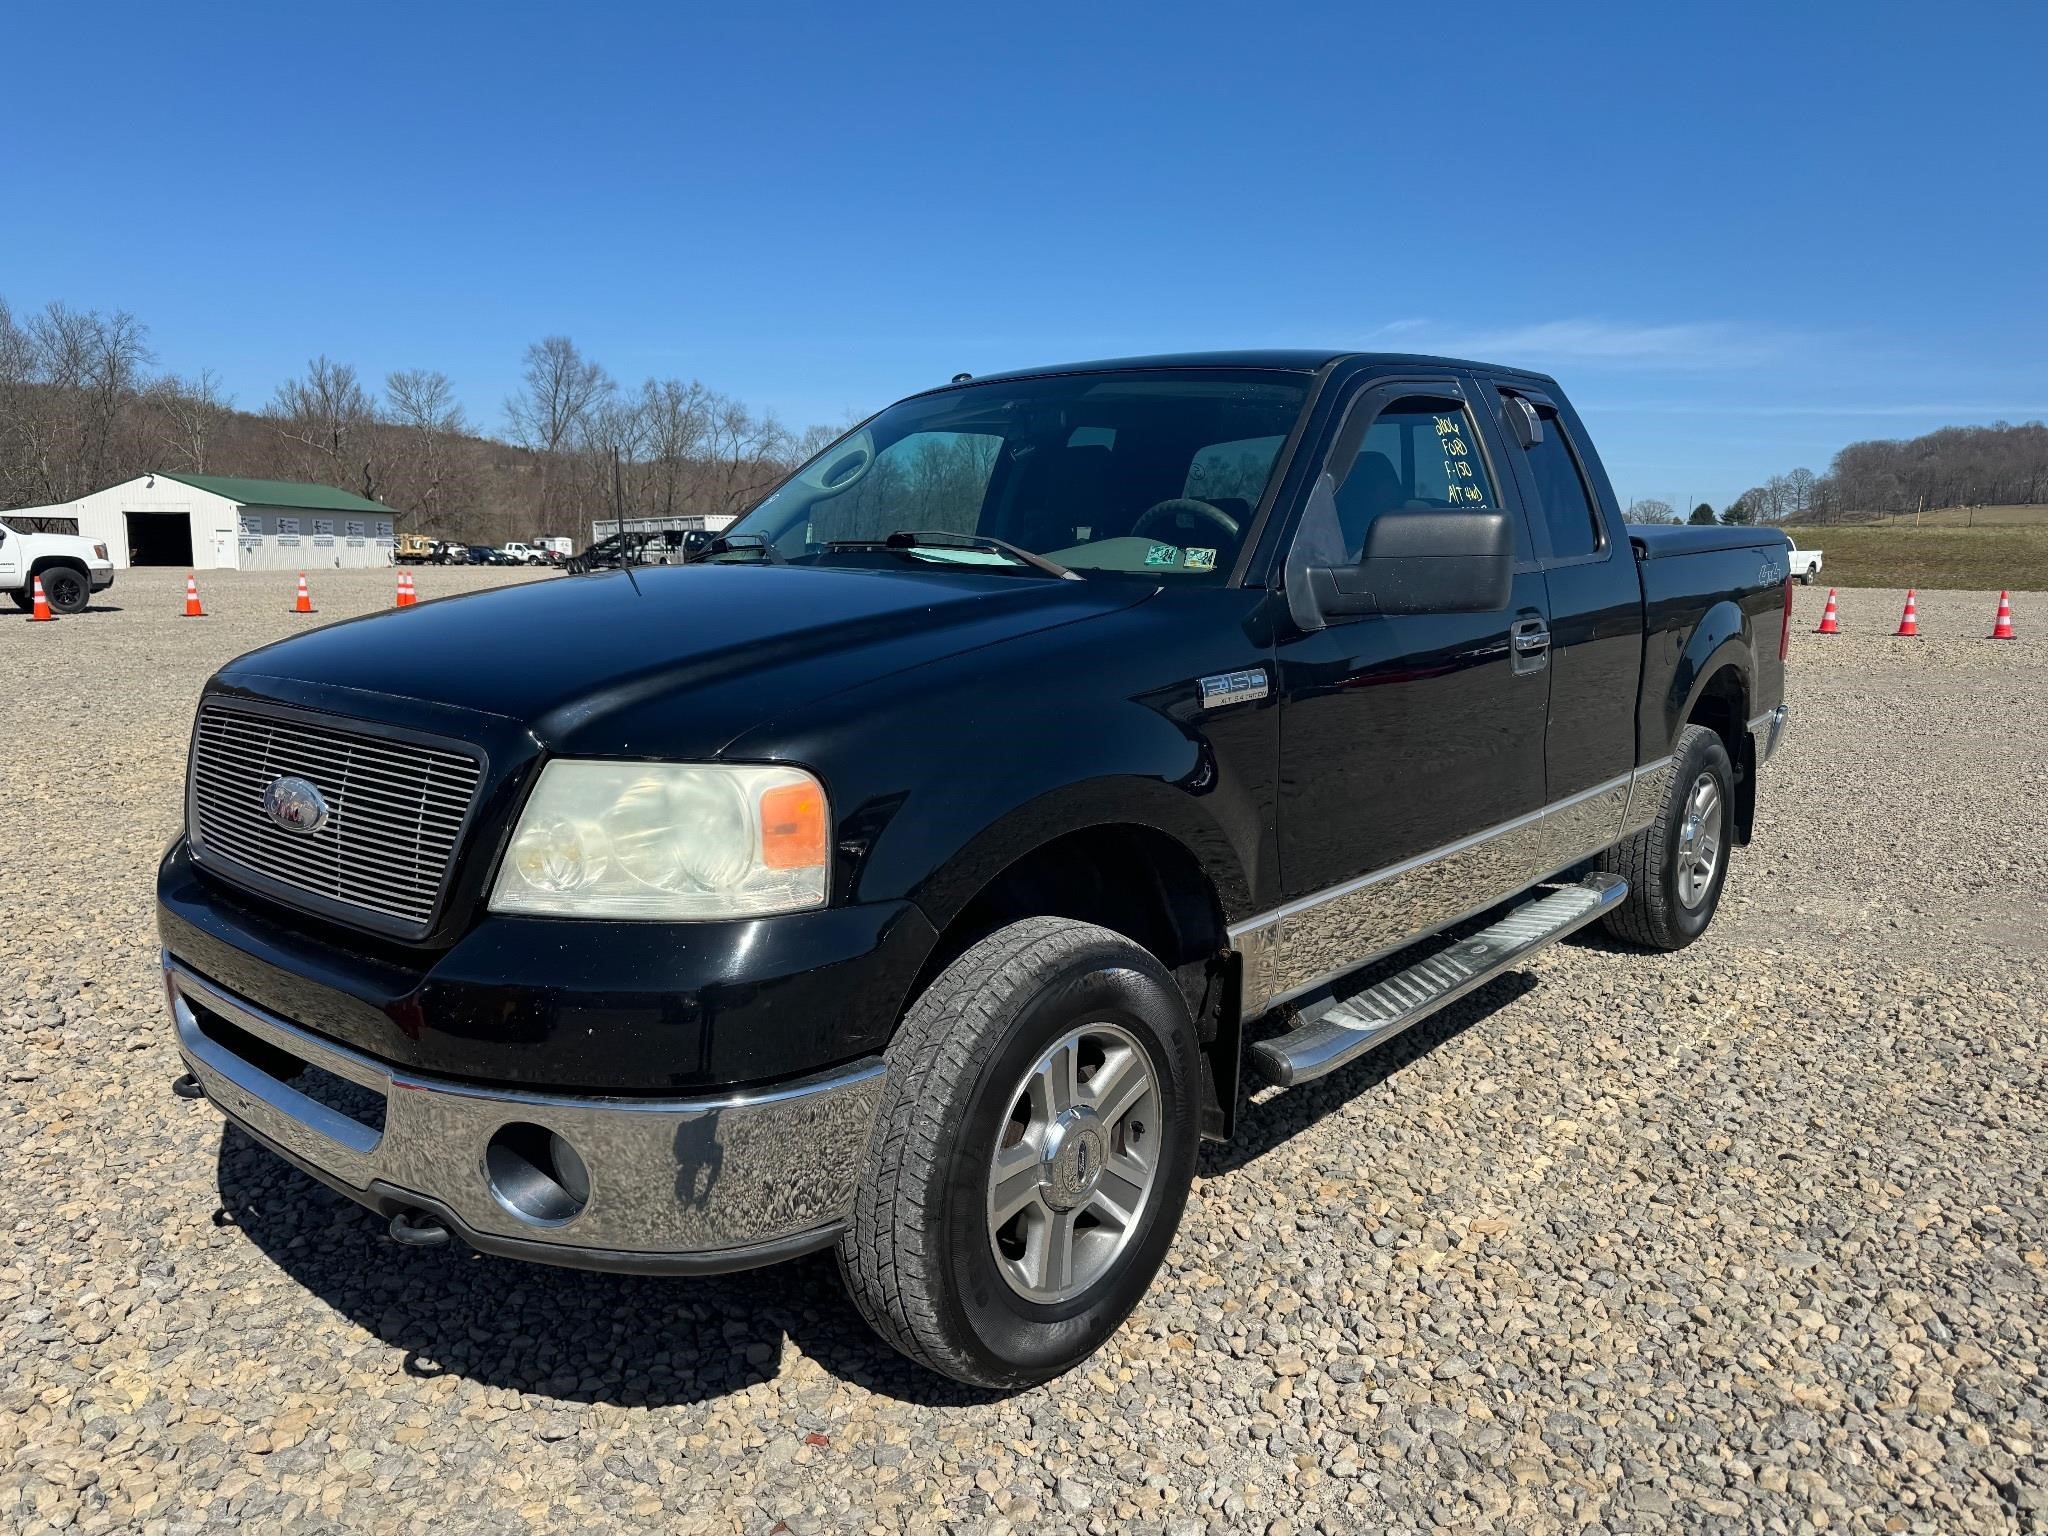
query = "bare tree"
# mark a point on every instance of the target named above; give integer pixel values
(188, 416)
(1651, 511)
(76, 372)
(676, 417)
(745, 453)
(431, 424)
(325, 417)
(559, 388)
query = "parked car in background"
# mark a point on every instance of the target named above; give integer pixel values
(446, 552)
(1806, 565)
(929, 892)
(486, 554)
(524, 554)
(71, 568)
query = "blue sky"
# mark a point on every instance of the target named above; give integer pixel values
(1741, 235)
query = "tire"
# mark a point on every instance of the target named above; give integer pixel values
(1667, 907)
(1807, 579)
(924, 1259)
(24, 598)
(67, 588)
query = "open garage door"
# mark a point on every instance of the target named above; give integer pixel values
(160, 538)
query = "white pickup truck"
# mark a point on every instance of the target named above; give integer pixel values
(1805, 566)
(526, 554)
(72, 568)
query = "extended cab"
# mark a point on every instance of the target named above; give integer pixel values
(928, 870)
(71, 568)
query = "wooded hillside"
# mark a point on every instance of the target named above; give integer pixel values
(81, 408)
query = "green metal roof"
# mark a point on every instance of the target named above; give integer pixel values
(280, 493)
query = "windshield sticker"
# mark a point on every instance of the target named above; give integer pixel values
(1200, 560)
(1163, 554)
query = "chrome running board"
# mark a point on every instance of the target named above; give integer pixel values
(1338, 1029)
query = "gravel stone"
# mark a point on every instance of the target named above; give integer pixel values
(1750, 1237)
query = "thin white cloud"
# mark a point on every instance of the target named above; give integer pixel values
(1678, 347)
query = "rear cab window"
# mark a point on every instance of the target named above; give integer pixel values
(1565, 504)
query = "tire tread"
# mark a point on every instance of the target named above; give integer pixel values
(932, 1061)
(1646, 916)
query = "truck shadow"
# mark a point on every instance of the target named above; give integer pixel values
(561, 1334)
(579, 1338)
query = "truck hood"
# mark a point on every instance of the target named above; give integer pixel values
(668, 662)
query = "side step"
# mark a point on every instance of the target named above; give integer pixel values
(1338, 1029)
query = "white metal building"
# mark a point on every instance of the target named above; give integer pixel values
(222, 522)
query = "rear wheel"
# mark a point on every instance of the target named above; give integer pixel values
(1032, 1156)
(1676, 866)
(24, 598)
(66, 587)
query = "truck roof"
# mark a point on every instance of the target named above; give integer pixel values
(1288, 359)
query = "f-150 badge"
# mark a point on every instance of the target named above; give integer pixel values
(1234, 688)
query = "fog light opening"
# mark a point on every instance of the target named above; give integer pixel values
(536, 1175)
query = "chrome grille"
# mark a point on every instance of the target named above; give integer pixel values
(395, 811)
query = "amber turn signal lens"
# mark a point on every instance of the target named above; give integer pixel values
(793, 827)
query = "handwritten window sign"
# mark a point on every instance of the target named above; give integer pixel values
(252, 525)
(324, 525)
(383, 529)
(1464, 486)
(287, 525)
(1417, 453)
(355, 528)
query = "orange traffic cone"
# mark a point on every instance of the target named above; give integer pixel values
(2002, 629)
(192, 608)
(406, 596)
(1828, 623)
(1909, 621)
(305, 602)
(42, 614)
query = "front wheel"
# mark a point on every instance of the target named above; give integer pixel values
(1676, 866)
(66, 588)
(24, 598)
(1032, 1155)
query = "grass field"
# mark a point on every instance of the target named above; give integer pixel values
(2011, 553)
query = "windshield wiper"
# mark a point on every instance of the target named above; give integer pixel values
(726, 544)
(941, 538)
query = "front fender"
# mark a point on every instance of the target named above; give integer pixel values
(942, 777)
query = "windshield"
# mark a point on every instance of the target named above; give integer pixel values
(1152, 473)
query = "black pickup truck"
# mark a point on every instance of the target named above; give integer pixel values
(926, 872)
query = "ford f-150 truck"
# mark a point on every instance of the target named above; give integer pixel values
(71, 568)
(926, 872)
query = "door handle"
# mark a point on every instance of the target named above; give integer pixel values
(1531, 641)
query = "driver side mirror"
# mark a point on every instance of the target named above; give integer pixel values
(1423, 560)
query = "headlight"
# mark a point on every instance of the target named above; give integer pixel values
(667, 840)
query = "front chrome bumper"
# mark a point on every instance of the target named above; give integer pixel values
(659, 1186)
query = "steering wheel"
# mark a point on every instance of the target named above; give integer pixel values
(1180, 511)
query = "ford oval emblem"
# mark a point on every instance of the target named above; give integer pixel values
(295, 805)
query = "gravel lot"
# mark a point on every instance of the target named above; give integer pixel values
(1747, 1238)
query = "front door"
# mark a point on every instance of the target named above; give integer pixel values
(1411, 742)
